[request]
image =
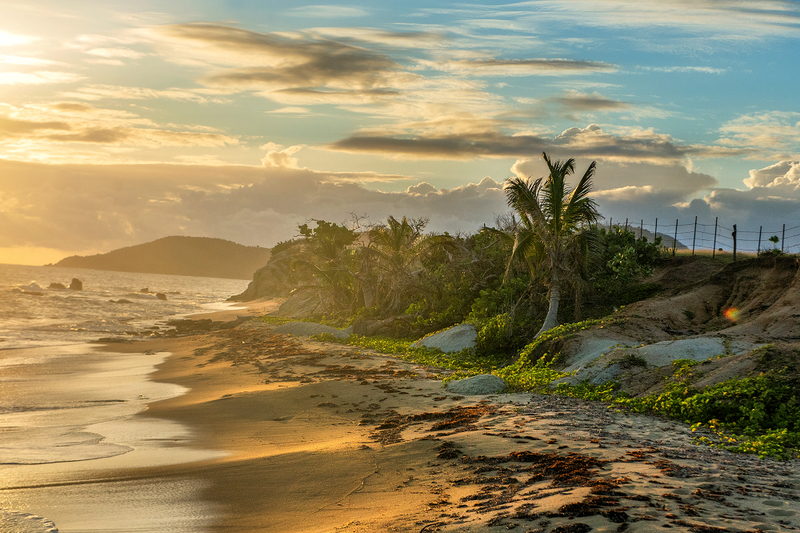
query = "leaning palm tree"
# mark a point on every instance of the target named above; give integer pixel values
(554, 224)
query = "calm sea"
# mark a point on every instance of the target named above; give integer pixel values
(67, 410)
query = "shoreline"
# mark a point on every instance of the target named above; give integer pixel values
(323, 437)
(318, 437)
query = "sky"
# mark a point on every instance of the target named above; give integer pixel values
(124, 122)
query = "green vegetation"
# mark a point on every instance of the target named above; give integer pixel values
(465, 361)
(393, 282)
(555, 234)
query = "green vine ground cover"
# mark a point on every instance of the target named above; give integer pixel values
(758, 415)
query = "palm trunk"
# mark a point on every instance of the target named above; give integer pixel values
(551, 319)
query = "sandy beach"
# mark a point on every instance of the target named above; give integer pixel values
(303, 436)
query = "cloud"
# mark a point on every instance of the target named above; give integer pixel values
(116, 92)
(702, 70)
(291, 64)
(525, 67)
(669, 194)
(291, 111)
(126, 53)
(636, 145)
(326, 11)
(578, 101)
(102, 207)
(771, 134)
(22, 60)
(395, 39)
(37, 78)
(43, 127)
(731, 20)
(620, 183)
(280, 158)
(784, 175)
(12, 39)
(11, 127)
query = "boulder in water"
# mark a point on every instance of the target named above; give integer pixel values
(57, 286)
(76, 285)
(161, 296)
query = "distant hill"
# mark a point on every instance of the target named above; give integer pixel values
(183, 256)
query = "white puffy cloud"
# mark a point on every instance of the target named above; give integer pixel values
(783, 175)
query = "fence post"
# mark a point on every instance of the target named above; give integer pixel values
(675, 239)
(655, 232)
(734, 242)
(758, 250)
(714, 248)
(783, 234)
(626, 225)
(641, 228)
(694, 236)
(610, 222)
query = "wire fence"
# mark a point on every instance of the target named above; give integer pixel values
(715, 238)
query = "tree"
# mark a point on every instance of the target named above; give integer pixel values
(394, 261)
(554, 222)
(329, 258)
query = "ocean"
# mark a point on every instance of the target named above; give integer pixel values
(67, 411)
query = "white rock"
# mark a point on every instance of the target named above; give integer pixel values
(453, 339)
(483, 384)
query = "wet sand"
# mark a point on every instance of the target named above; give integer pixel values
(325, 438)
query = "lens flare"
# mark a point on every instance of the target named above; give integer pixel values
(731, 314)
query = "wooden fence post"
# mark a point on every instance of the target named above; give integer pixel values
(783, 235)
(714, 248)
(675, 239)
(734, 242)
(758, 250)
(694, 236)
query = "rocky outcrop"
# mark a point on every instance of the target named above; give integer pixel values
(76, 285)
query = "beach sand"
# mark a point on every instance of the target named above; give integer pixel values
(326, 438)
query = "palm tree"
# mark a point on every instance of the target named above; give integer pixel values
(393, 262)
(552, 234)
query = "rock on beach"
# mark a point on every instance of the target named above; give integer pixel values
(452, 339)
(475, 385)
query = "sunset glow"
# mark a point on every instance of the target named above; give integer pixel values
(124, 122)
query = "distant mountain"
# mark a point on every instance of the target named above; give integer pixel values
(183, 256)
